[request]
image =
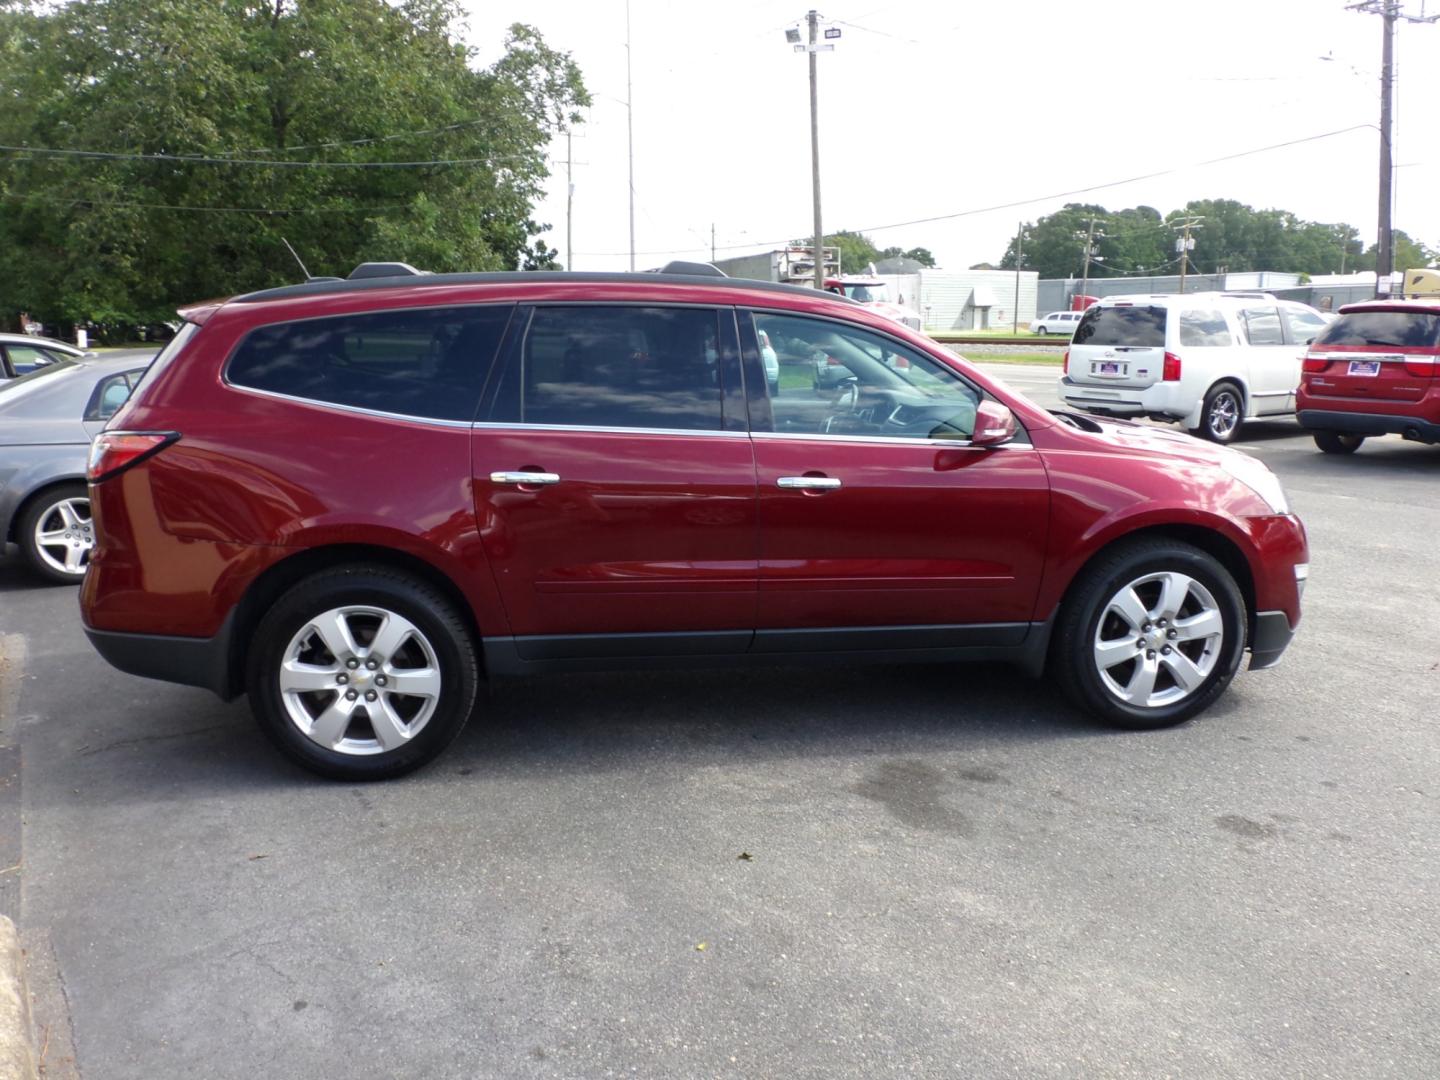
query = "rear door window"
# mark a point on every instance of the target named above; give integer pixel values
(616, 367)
(1141, 326)
(1396, 329)
(1203, 328)
(1262, 326)
(1305, 326)
(428, 363)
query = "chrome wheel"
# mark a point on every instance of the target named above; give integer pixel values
(65, 535)
(1158, 639)
(360, 680)
(1223, 416)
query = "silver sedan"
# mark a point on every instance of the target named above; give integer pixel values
(47, 419)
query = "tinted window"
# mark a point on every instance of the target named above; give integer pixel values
(1393, 328)
(1262, 326)
(1139, 326)
(1202, 328)
(838, 380)
(1304, 325)
(618, 367)
(110, 393)
(428, 363)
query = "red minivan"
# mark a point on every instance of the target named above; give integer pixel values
(353, 500)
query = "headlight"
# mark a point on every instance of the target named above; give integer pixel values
(1257, 477)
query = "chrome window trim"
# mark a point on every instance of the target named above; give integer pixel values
(704, 433)
(354, 409)
(890, 440)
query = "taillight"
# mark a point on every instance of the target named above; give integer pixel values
(1313, 365)
(1065, 363)
(1171, 373)
(115, 451)
(1420, 367)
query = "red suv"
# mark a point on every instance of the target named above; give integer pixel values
(1373, 371)
(356, 499)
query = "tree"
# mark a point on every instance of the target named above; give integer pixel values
(1407, 254)
(343, 86)
(919, 254)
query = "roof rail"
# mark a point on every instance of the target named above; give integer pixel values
(384, 269)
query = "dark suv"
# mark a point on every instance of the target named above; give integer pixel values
(354, 500)
(1375, 370)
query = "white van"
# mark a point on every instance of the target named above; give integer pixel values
(1206, 360)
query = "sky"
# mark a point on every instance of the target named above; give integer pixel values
(948, 108)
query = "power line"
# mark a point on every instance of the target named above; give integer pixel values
(187, 159)
(1025, 202)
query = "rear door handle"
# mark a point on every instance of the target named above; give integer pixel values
(808, 483)
(536, 478)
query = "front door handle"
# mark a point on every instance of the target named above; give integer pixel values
(535, 478)
(808, 483)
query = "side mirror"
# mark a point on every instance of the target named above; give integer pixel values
(994, 424)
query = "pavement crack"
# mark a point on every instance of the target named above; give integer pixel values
(87, 751)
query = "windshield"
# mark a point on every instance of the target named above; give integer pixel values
(867, 294)
(45, 371)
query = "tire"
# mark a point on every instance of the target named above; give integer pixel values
(331, 729)
(1222, 414)
(1332, 442)
(1040, 331)
(1092, 656)
(57, 535)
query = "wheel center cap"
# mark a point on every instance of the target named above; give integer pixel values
(361, 678)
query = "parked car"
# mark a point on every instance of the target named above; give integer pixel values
(23, 353)
(1057, 322)
(1206, 360)
(47, 418)
(1375, 370)
(353, 500)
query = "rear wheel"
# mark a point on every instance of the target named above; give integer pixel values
(1332, 442)
(1222, 413)
(1041, 331)
(1151, 635)
(362, 673)
(57, 535)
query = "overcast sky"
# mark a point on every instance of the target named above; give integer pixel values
(938, 108)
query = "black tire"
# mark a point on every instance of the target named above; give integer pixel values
(46, 506)
(1072, 653)
(363, 586)
(1222, 414)
(1332, 442)
(1041, 331)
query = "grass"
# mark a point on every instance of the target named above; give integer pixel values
(1050, 358)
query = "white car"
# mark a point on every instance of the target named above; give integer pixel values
(23, 353)
(1207, 360)
(1057, 322)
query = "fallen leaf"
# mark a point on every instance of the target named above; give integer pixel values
(744, 856)
(254, 857)
(702, 946)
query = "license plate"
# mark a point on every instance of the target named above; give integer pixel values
(1108, 367)
(1364, 367)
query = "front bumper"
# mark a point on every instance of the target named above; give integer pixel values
(1356, 423)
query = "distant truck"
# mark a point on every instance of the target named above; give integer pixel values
(874, 293)
(791, 265)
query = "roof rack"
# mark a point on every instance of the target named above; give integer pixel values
(693, 269)
(384, 269)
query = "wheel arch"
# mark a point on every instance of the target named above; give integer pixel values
(29, 500)
(277, 579)
(1214, 543)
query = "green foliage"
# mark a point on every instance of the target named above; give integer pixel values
(296, 80)
(857, 251)
(920, 255)
(1232, 237)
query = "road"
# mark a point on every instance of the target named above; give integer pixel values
(896, 871)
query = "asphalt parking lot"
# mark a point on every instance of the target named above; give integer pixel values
(917, 871)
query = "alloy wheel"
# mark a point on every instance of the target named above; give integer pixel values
(65, 536)
(1158, 639)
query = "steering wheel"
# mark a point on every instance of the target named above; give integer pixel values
(844, 404)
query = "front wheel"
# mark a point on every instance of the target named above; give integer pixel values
(1041, 331)
(1221, 414)
(1151, 635)
(1332, 442)
(362, 673)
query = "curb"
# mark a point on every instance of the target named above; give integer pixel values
(17, 1052)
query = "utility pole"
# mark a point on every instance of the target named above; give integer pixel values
(1089, 251)
(569, 199)
(1184, 244)
(1019, 258)
(1390, 13)
(814, 20)
(630, 133)
(712, 241)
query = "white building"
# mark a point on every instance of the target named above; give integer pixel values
(967, 299)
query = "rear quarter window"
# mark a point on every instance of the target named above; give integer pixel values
(1204, 328)
(1397, 329)
(428, 363)
(1137, 326)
